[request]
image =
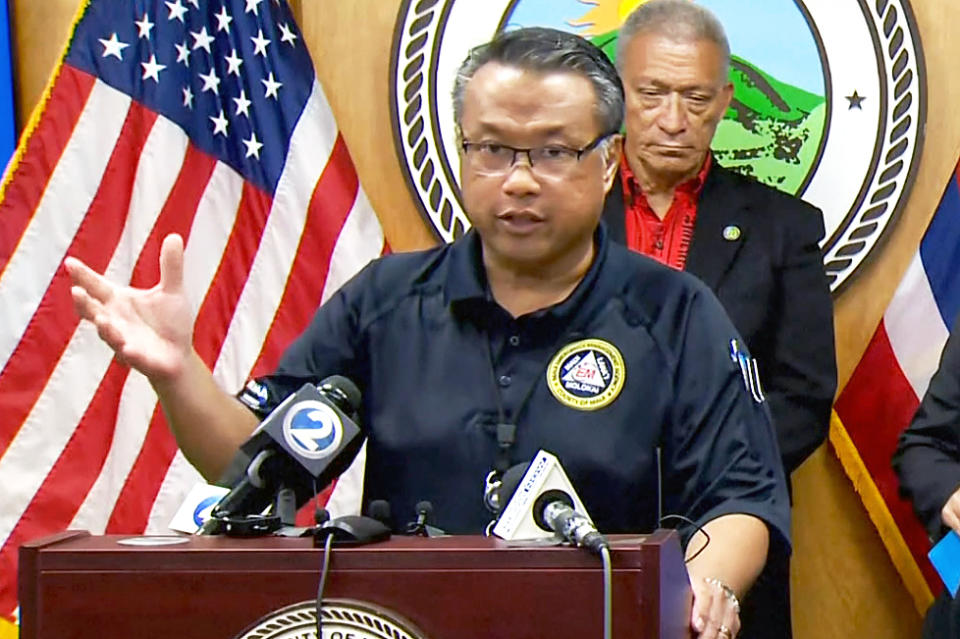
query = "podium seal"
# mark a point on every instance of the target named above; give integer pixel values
(342, 619)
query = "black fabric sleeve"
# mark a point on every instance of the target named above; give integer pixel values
(720, 450)
(927, 459)
(330, 345)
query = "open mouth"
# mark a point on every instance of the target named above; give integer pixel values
(520, 221)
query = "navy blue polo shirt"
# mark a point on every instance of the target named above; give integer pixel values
(639, 358)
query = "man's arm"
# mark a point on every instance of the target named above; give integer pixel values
(800, 370)
(151, 330)
(733, 557)
(722, 466)
(927, 459)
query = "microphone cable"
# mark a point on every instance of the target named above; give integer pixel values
(323, 580)
(697, 529)
(607, 592)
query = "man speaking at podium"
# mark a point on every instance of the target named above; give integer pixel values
(531, 332)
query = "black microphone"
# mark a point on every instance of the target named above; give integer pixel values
(424, 510)
(306, 442)
(379, 509)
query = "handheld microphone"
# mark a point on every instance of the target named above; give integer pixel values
(542, 503)
(307, 441)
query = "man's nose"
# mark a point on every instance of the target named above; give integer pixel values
(520, 179)
(673, 115)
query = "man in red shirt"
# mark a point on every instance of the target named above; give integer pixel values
(757, 248)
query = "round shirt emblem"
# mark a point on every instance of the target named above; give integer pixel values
(341, 618)
(586, 375)
(312, 429)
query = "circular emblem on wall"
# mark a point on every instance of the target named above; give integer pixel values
(829, 102)
(342, 619)
(312, 429)
(586, 375)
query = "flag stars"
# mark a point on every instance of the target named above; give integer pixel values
(271, 86)
(234, 62)
(243, 104)
(252, 6)
(176, 10)
(194, 3)
(253, 146)
(144, 26)
(113, 47)
(211, 82)
(287, 35)
(183, 53)
(223, 19)
(219, 124)
(202, 39)
(187, 98)
(151, 69)
(260, 44)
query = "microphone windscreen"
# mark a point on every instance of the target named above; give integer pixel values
(379, 509)
(511, 480)
(344, 391)
(424, 508)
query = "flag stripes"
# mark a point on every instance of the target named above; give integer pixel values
(104, 178)
(891, 378)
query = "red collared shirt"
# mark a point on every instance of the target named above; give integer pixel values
(666, 240)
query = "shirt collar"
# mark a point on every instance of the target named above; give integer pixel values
(466, 281)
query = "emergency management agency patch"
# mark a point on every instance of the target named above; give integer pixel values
(586, 375)
(342, 618)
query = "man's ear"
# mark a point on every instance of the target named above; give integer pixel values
(611, 161)
(726, 96)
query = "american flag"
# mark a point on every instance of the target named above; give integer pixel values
(890, 380)
(200, 118)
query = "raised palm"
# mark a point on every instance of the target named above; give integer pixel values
(149, 329)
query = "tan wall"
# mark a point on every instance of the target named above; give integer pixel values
(844, 584)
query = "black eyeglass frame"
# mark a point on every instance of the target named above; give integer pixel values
(577, 154)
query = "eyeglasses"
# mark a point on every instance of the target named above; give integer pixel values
(553, 160)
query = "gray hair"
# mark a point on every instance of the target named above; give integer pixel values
(543, 50)
(681, 20)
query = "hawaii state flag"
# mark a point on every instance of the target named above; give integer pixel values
(202, 118)
(890, 380)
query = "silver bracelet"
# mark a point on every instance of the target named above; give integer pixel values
(726, 590)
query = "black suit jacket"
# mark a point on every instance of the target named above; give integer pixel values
(927, 459)
(772, 283)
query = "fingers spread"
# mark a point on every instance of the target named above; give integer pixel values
(96, 286)
(87, 307)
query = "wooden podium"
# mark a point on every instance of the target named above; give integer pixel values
(81, 586)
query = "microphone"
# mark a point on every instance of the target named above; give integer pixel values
(555, 512)
(542, 503)
(307, 441)
(379, 509)
(424, 510)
